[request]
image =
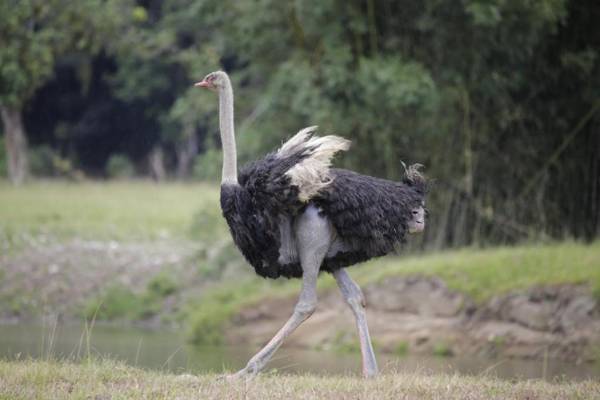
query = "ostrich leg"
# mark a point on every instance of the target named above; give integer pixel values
(355, 299)
(313, 238)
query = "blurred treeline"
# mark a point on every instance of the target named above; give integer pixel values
(499, 99)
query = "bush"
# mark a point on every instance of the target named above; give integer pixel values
(208, 318)
(120, 302)
(442, 350)
(43, 161)
(119, 166)
(116, 302)
(162, 285)
(401, 348)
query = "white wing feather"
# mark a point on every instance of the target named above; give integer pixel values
(312, 173)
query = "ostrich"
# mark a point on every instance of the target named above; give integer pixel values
(292, 215)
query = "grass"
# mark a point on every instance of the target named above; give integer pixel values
(107, 210)
(478, 273)
(207, 317)
(441, 349)
(119, 302)
(105, 379)
(402, 348)
(483, 273)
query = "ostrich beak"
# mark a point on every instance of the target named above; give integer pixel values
(203, 84)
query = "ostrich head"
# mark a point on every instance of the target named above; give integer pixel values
(213, 81)
(417, 181)
(417, 221)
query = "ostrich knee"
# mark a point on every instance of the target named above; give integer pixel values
(353, 295)
(357, 304)
(305, 309)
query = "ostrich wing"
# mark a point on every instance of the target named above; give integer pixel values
(370, 215)
(286, 180)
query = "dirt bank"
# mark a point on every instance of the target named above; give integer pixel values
(59, 278)
(422, 316)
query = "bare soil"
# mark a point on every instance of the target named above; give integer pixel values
(422, 316)
(57, 278)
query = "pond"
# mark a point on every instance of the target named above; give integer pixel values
(167, 350)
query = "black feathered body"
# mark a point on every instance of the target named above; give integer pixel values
(370, 215)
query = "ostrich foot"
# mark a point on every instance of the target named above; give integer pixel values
(370, 370)
(236, 376)
(248, 372)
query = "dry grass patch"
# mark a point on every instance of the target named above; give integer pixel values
(113, 380)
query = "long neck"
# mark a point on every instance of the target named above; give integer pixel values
(227, 134)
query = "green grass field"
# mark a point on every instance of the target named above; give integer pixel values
(96, 209)
(483, 273)
(113, 380)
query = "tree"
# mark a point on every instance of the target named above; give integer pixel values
(161, 52)
(35, 33)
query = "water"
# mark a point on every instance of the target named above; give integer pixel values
(167, 350)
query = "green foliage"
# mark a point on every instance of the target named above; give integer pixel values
(348, 343)
(402, 348)
(442, 350)
(161, 285)
(345, 343)
(35, 33)
(227, 256)
(42, 161)
(14, 302)
(116, 302)
(341, 344)
(594, 351)
(207, 166)
(209, 316)
(119, 302)
(119, 166)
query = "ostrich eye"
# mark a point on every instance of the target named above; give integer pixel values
(415, 212)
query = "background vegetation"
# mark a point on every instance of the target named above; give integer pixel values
(499, 99)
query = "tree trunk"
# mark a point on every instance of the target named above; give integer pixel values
(16, 144)
(157, 165)
(186, 151)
